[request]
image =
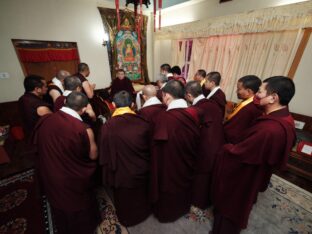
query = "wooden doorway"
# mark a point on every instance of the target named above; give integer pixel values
(46, 58)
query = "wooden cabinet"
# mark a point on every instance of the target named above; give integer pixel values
(299, 163)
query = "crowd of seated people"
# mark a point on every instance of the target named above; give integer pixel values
(173, 153)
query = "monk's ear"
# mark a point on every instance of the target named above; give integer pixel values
(275, 98)
(188, 96)
(114, 105)
(250, 92)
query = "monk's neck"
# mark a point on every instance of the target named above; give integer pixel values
(245, 99)
(83, 74)
(37, 94)
(270, 109)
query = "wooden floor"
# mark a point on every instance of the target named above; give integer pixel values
(22, 157)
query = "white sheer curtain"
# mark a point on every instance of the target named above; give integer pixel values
(234, 56)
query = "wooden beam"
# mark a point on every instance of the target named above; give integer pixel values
(299, 53)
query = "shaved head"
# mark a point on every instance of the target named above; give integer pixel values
(149, 91)
(62, 74)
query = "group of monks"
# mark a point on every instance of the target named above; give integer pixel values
(175, 153)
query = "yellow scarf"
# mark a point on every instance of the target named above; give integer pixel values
(239, 107)
(123, 110)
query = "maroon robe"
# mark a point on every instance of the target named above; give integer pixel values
(59, 103)
(211, 140)
(47, 97)
(150, 113)
(119, 85)
(66, 171)
(174, 151)
(234, 127)
(179, 78)
(244, 168)
(159, 95)
(220, 99)
(82, 79)
(28, 104)
(125, 159)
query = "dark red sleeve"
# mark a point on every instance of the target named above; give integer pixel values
(59, 103)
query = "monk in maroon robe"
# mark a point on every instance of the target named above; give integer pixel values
(121, 82)
(174, 153)
(152, 105)
(71, 83)
(211, 140)
(245, 168)
(125, 159)
(31, 104)
(83, 73)
(66, 151)
(55, 87)
(161, 82)
(245, 112)
(176, 75)
(200, 77)
(215, 93)
(165, 71)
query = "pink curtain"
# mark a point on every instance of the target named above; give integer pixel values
(234, 56)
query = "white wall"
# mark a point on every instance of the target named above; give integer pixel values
(302, 101)
(162, 55)
(56, 20)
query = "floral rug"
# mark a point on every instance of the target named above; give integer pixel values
(283, 208)
(20, 205)
(110, 223)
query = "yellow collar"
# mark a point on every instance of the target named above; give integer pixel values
(239, 107)
(123, 110)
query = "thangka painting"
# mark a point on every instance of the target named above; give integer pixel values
(125, 50)
(129, 54)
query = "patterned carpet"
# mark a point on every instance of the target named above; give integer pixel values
(20, 205)
(283, 208)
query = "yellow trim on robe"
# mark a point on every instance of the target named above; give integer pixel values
(239, 107)
(202, 82)
(123, 110)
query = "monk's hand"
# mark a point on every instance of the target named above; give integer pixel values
(90, 112)
(93, 86)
